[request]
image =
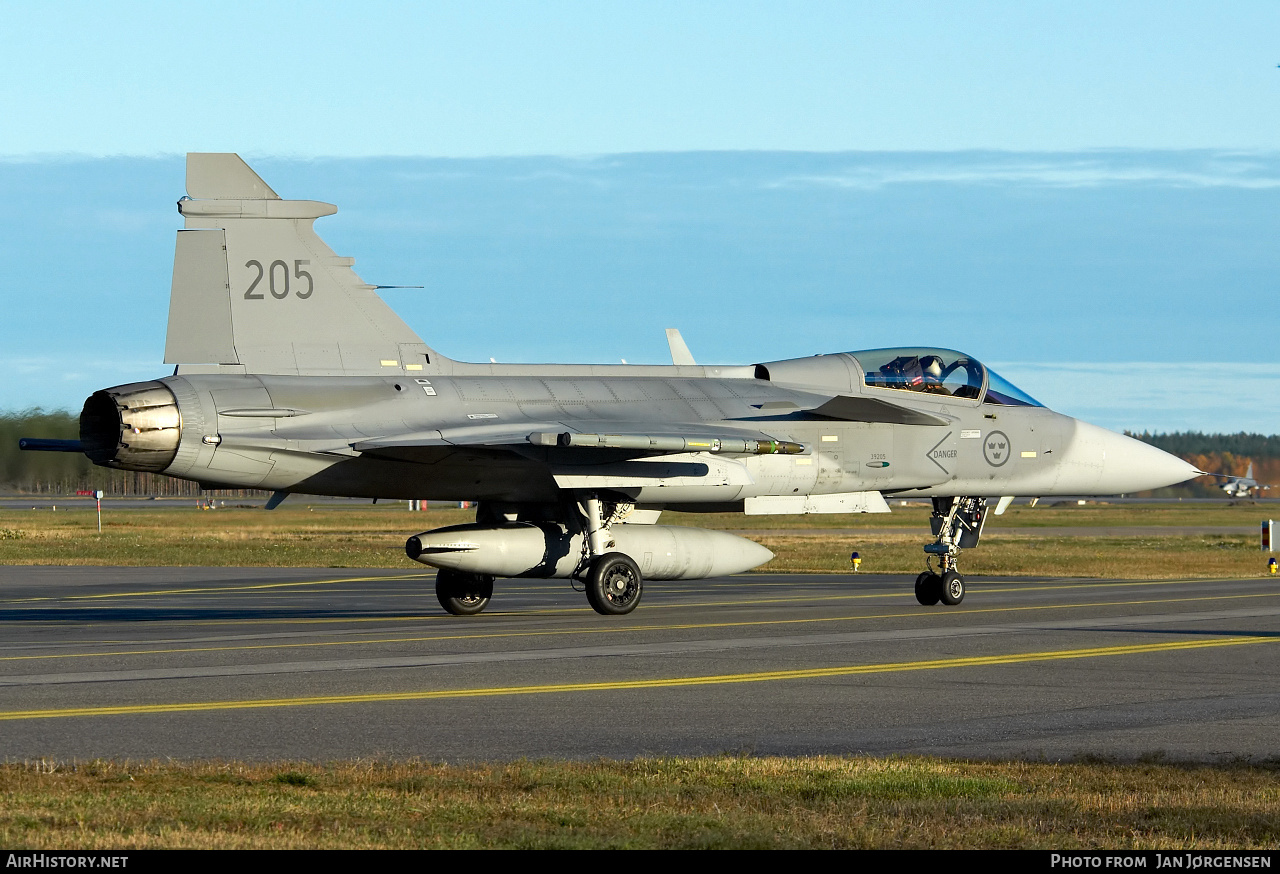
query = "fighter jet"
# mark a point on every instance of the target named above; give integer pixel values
(1242, 486)
(292, 375)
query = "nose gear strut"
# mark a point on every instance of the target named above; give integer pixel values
(957, 523)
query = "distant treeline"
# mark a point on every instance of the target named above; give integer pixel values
(1228, 454)
(63, 473)
(1186, 443)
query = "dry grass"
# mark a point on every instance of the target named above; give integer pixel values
(299, 536)
(1206, 557)
(725, 802)
(294, 537)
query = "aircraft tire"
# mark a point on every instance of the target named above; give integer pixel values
(928, 588)
(461, 593)
(614, 584)
(951, 588)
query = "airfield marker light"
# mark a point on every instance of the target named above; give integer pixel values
(1271, 565)
(856, 561)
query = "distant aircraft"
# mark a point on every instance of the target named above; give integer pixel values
(293, 375)
(1242, 486)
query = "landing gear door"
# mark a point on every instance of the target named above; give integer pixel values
(976, 520)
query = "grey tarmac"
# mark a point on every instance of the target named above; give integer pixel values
(323, 664)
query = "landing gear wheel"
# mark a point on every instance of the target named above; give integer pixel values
(928, 588)
(462, 593)
(952, 588)
(614, 584)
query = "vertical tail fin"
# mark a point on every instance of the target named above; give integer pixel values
(254, 286)
(680, 353)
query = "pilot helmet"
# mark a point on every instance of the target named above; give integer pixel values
(932, 366)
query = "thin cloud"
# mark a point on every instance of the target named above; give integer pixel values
(1171, 170)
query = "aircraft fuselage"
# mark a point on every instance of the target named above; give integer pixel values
(465, 437)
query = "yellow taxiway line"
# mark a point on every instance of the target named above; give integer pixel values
(616, 629)
(213, 590)
(622, 685)
(298, 584)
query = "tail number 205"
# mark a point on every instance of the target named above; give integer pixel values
(277, 276)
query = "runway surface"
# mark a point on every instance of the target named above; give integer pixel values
(322, 664)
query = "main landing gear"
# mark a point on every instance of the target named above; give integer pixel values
(612, 580)
(569, 539)
(614, 584)
(957, 523)
(462, 593)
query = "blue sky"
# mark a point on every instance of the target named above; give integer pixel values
(1084, 193)
(519, 78)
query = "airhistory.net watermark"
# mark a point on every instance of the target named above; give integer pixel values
(64, 860)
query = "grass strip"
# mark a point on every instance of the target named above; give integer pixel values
(370, 537)
(739, 802)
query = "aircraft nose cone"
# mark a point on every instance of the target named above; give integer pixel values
(1124, 464)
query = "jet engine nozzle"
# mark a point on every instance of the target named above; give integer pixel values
(131, 427)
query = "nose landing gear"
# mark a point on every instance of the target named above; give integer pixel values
(928, 588)
(957, 523)
(947, 588)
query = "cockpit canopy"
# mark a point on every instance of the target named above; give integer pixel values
(940, 372)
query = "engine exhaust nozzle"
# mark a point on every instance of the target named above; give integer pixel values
(132, 427)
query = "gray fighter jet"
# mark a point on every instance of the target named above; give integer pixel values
(1242, 486)
(293, 375)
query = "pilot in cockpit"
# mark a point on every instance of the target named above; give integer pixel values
(932, 372)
